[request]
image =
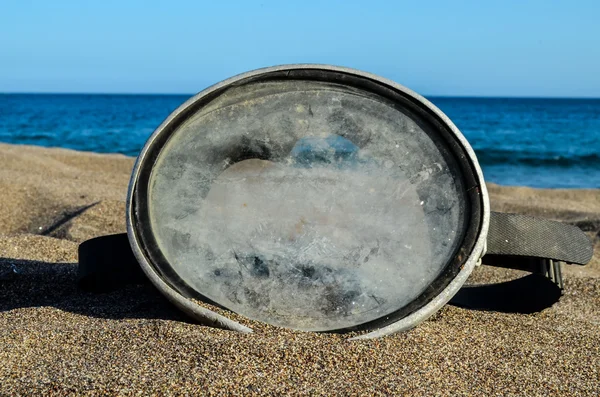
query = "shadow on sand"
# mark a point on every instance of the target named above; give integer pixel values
(25, 283)
(530, 294)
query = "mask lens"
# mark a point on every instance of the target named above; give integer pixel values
(308, 205)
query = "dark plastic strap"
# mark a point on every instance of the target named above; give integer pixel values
(514, 241)
(525, 236)
(107, 263)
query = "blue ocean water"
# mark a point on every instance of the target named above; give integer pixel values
(551, 143)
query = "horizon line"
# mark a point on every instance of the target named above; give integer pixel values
(192, 94)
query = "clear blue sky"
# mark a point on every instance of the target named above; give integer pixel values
(483, 48)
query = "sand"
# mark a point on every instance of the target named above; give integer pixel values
(56, 339)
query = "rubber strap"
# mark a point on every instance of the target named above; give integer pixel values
(525, 236)
(107, 263)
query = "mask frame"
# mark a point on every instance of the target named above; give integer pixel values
(475, 238)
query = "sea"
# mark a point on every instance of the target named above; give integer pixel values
(548, 143)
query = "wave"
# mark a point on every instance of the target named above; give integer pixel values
(503, 156)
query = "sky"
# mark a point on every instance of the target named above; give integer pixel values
(529, 48)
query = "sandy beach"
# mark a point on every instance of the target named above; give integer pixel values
(57, 339)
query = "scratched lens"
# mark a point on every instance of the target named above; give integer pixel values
(311, 206)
